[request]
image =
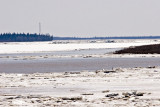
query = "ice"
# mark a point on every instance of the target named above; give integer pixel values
(33, 47)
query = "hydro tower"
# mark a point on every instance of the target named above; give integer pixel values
(39, 28)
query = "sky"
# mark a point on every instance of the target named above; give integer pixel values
(81, 18)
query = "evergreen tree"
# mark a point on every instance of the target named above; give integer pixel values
(22, 37)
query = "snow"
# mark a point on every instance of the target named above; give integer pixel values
(57, 89)
(52, 89)
(33, 47)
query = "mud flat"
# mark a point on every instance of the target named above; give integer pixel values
(119, 87)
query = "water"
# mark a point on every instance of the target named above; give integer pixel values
(8, 65)
(74, 64)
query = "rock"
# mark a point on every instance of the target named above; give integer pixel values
(106, 91)
(105, 71)
(75, 73)
(134, 92)
(65, 98)
(39, 101)
(67, 73)
(32, 101)
(111, 71)
(125, 98)
(33, 96)
(19, 97)
(88, 94)
(10, 98)
(139, 94)
(127, 94)
(151, 67)
(32, 78)
(76, 98)
(73, 98)
(87, 56)
(97, 71)
(112, 95)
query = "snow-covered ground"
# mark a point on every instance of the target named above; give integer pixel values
(131, 87)
(120, 87)
(35, 47)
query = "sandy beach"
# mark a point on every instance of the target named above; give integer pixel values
(138, 87)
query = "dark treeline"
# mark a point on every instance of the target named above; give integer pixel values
(146, 49)
(92, 38)
(22, 37)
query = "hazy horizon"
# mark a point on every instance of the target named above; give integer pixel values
(81, 18)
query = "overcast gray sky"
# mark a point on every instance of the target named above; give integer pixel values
(81, 18)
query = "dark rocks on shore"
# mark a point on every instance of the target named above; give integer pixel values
(73, 98)
(109, 71)
(127, 94)
(134, 93)
(151, 67)
(88, 94)
(67, 73)
(106, 91)
(105, 71)
(112, 95)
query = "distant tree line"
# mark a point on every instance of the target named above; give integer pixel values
(22, 37)
(94, 38)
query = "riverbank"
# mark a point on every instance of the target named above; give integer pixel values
(120, 87)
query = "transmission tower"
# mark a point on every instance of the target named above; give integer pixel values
(39, 28)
